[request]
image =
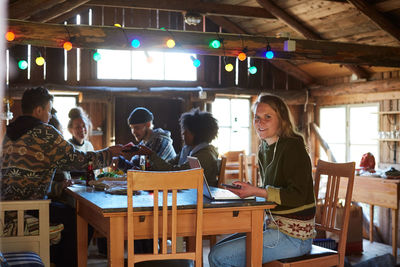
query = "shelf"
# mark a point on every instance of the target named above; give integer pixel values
(387, 112)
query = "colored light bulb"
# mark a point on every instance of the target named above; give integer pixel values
(135, 43)
(196, 63)
(215, 44)
(269, 54)
(229, 67)
(96, 56)
(170, 43)
(149, 60)
(242, 56)
(117, 25)
(253, 70)
(10, 36)
(39, 61)
(67, 46)
(22, 64)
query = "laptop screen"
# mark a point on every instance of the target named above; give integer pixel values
(195, 163)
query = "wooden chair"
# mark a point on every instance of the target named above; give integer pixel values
(161, 182)
(222, 168)
(321, 257)
(39, 244)
(254, 169)
(233, 164)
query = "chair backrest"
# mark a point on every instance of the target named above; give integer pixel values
(336, 173)
(254, 169)
(161, 182)
(243, 168)
(222, 167)
(233, 156)
(39, 244)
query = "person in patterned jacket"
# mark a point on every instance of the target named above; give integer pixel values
(32, 152)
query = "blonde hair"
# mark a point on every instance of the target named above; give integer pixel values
(286, 125)
(79, 113)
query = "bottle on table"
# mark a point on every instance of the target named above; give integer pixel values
(90, 173)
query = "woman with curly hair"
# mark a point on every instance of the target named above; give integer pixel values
(198, 129)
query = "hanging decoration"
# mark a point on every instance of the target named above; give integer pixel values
(269, 53)
(22, 64)
(40, 61)
(135, 43)
(253, 70)
(196, 62)
(170, 43)
(96, 56)
(10, 36)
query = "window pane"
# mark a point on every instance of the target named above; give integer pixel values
(333, 124)
(363, 125)
(63, 105)
(179, 67)
(142, 68)
(114, 64)
(222, 142)
(221, 111)
(240, 140)
(339, 152)
(240, 112)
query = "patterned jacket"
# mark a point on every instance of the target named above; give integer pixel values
(31, 157)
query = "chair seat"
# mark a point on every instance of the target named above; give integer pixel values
(316, 251)
(164, 263)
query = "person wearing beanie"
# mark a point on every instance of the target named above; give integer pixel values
(158, 140)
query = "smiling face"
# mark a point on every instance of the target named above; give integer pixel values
(266, 123)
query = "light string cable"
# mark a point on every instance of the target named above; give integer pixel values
(223, 49)
(177, 44)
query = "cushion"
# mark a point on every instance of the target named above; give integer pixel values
(3, 261)
(23, 259)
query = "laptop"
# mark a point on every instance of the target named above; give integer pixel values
(214, 193)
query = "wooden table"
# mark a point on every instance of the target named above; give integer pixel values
(377, 192)
(107, 214)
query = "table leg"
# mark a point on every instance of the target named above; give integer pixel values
(116, 242)
(371, 223)
(82, 236)
(254, 240)
(395, 222)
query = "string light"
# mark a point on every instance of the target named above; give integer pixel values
(215, 44)
(229, 67)
(135, 43)
(40, 61)
(242, 56)
(118, 25)
(96, 56)
(170, 43)
(196, 62)
(23, 64)
(67, 46)
(149, 59)
(253, 70)
(10, 36)
(269, 53)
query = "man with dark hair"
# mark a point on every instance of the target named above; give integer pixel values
(198, 129)
(32, 151)
(141, 123)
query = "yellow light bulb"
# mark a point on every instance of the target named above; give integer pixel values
(170, 43)
(39, 61)
(229, 67)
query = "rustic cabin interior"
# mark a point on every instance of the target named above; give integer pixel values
(336, 63)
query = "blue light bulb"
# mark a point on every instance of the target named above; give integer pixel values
(269, 54)
(253, 70)
(196, 63)
(135, 43)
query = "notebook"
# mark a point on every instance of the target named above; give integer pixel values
(211, 192)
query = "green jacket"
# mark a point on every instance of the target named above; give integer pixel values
(208, 157)
(287, 176)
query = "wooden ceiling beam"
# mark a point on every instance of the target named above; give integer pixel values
(377, 18)
(23, 9)
(185, 5)
(283, 65)
(300, 28)
(57, 10)
(109, 37)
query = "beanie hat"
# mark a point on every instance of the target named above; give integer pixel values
(140, 115)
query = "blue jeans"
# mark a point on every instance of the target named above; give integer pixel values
(276, 245)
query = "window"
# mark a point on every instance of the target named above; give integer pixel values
(140, 65)
(350, 131)
(234, 121)
(63, 104)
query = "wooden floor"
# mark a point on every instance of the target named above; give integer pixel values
(371, 250)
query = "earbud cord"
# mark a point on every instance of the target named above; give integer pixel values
(270, 214)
